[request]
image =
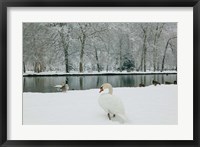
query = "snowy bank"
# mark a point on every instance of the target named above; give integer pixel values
(152, 105)
(54, 73)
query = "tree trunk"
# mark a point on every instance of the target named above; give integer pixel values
(82, 53)
(38, 67)
(66, 61)
(108, 56)
(163, 60)
(154, 53)
(97, 60)
(145, 51)
(81, 61)
(120, 62)
(120, 54)
(107, 68)
(141, 62)
(24, 67)
(65, 47)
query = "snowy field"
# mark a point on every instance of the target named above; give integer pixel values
(152, 105)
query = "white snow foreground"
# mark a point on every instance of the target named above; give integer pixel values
(152, 105)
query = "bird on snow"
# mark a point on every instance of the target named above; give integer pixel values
(111, 104)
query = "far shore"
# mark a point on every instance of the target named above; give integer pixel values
(31, 74)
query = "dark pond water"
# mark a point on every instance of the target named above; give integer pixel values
(46, 84)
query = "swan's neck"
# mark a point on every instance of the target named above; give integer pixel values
(110, 90)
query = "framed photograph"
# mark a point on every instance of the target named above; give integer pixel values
(99, 72)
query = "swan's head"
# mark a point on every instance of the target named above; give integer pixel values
(105, 86)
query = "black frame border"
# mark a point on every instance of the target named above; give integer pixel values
(99, 3)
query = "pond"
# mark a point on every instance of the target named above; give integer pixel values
(46, 84)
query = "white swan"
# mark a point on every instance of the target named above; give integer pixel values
(111, 104)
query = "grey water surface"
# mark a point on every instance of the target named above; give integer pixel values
(45, 84)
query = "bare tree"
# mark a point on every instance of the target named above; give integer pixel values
(158, 31)
(144, 48)
(166, 47)
(65, 39)
(86, 31)
(97, 59)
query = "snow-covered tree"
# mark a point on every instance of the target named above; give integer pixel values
(99, 46)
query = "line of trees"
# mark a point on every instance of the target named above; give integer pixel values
(86, 47)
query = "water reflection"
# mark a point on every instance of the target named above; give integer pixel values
(46, 84)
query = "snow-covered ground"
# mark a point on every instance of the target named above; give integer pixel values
(152, 105)
(31, 73)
